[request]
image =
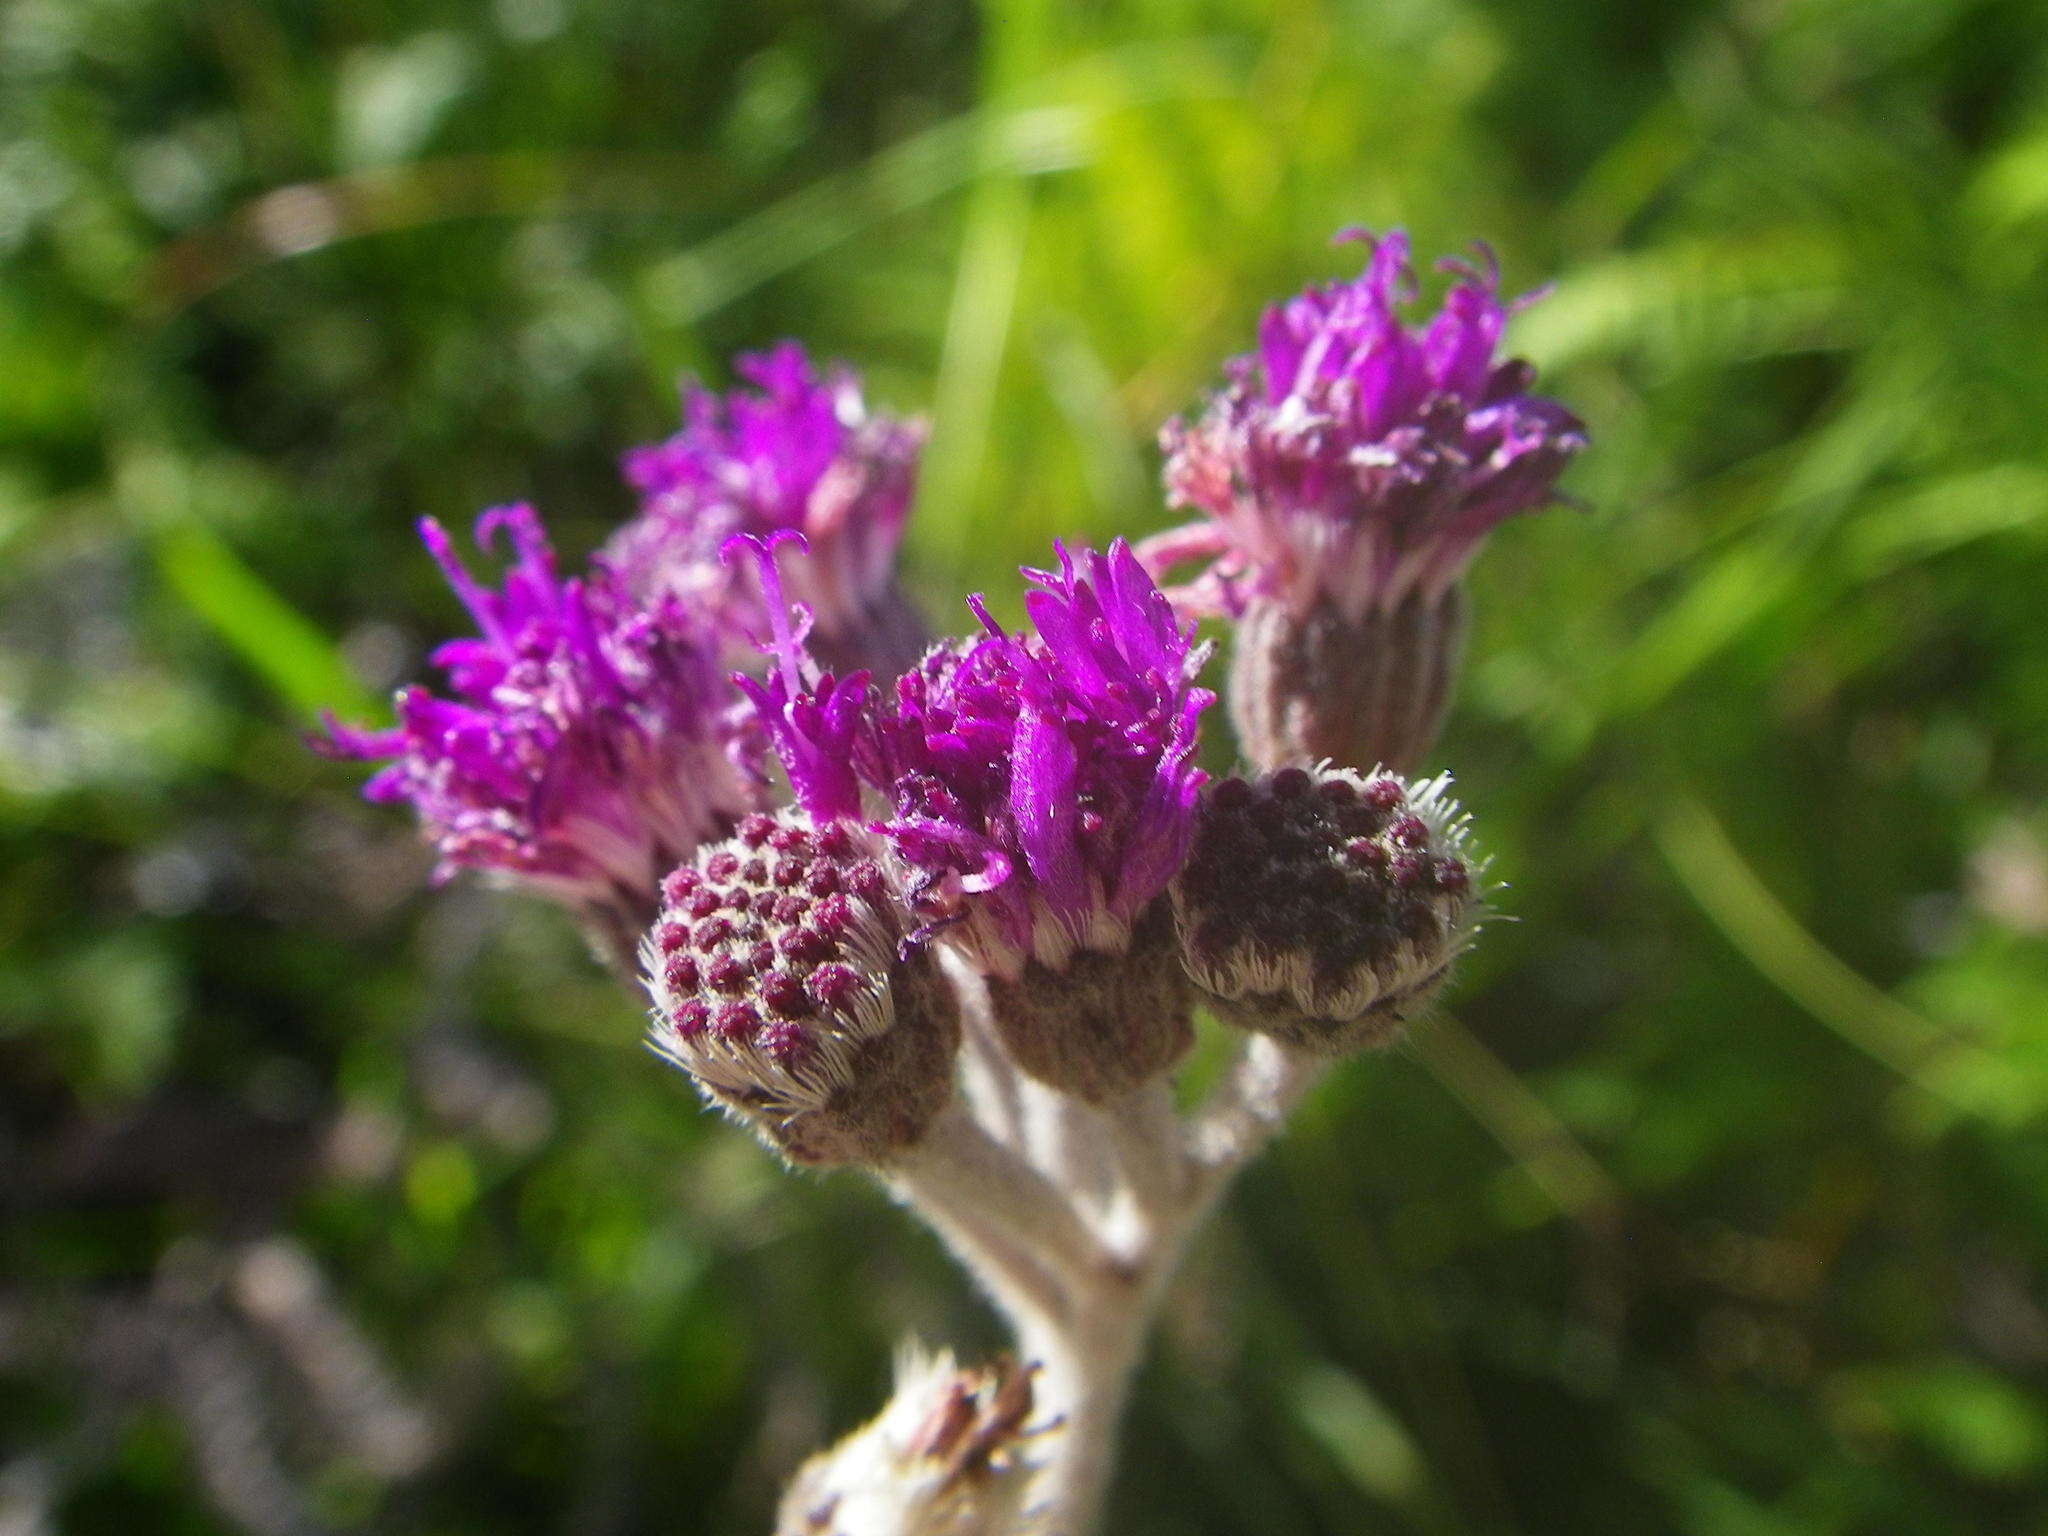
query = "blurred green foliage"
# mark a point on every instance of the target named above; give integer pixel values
(1720, 1208)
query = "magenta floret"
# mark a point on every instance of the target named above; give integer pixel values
(586, 743)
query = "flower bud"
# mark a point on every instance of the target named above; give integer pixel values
(945, 1458)
(779, 986)
(1103, 1024)
(1323, 906)
(1322, 684)
(1346, 475)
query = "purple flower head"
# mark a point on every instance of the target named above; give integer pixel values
(812, 719)
(798, 452)
(587, 743)
(1353, 459)
(1041, 785)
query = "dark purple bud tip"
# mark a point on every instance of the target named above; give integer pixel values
(1410, 832)
(702, 902)
(725, 974)
(1451, 876)
(1231, 794)
(754, 871)
(754, 829)
(760, 956)
(679, 884)
(836, 842)
(672, 936)
(787, 1044)
(788, 909)
(865, 880)
(783, 993)
(1384, 795)
(834, 984)
(722, 866)
(805, 945)
(790, 840)
(692, 1018)
(712, 932)
(1366, 853)
(834, 916)
(1411, 871)
(822, 880)
(1290, 783)
(1336, 792)
(681, 974)
(735, 1023)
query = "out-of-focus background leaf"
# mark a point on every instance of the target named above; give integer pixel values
(1721, 1205)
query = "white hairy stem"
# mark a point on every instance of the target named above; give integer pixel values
(960, 1169)
(991, 1081)
(1085, 1366)
(1247, 1110)
(1074, 1224)
(1146, 1134)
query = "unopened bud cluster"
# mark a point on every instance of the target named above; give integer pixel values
(1325, 906)
(778, 986)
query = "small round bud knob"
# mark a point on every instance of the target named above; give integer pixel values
(779, 987)
(1324, 906)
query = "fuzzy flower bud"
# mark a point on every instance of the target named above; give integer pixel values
(1348, 472)
(1323, 906)
(799, 452)
(587, 741)
(779, 987)
(947, 1457)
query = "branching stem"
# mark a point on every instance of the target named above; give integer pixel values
(1073, 1223)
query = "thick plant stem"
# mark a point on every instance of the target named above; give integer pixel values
(1085, 1366)
(1073, 1218)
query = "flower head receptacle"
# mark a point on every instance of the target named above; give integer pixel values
(1347, 473)
(1323, 906)
(796, 449)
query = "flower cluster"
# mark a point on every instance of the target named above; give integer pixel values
(1038, 793)
(960, 937)
(799, 452)
(587, 742)
(1026, 802)
(1353, 460)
